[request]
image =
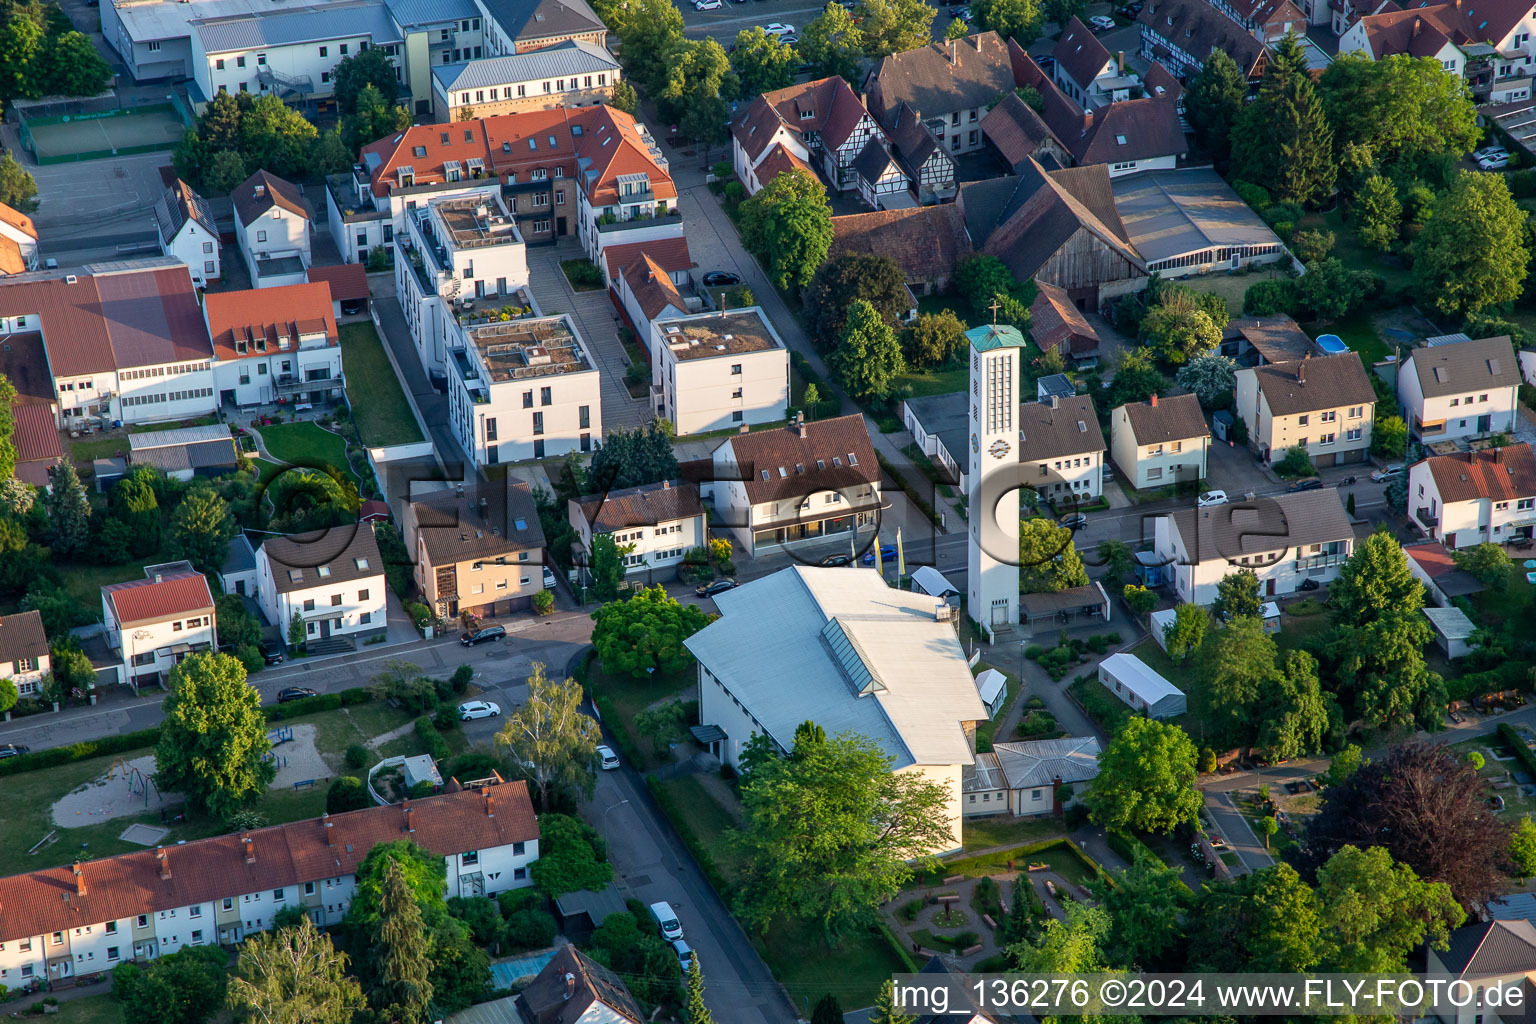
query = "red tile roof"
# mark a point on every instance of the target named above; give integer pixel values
(1055, 320)
(780, 159)
(11, 259)
(671, 254)
(1420, 31)
(348, 281)
(205, 870)
(652, 288)
(265, 316)
(827, 106)
(36, 435)
(926, 242)
(1499, 474)
(96, 320)
(145, 600)
(17, 219)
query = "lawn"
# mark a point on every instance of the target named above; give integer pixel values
(629, 697)
(1359, 333)
(1062, 858)
(582, 274)
(941, 380)
(379, 406)
(86, 451)
(306, 444)
(1515, 804)
(102, 1009)
(1107, 710)
(1231, 286)
(709, 821)
(798, 954)
(984, 833)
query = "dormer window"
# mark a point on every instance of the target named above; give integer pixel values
(295, 575)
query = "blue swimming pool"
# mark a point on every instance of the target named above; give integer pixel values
(1331, 344)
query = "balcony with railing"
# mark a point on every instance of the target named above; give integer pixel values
(288, 383)
(412, 257)
(636, 218)
(1311, 563)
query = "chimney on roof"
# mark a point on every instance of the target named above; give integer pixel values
(954, 53)
(330, 838)
(1301, 372)
(1417, 24)
(165, 865)
(1120, 60)
(1154, 399)
(490, 801)
(157, 577)
(800, 424)
(250, 849)
(485, 508)
(405, 805)
(1055, 401)
(261, 190)
(570, 984)
(79, 880)
(743, 429)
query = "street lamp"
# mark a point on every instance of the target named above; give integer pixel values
(621, 803)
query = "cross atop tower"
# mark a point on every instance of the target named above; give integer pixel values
(994, 308)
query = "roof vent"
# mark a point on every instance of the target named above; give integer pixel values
(261, 190)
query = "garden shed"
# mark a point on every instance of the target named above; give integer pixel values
(1453, 630)
(992, 686)
(1130, 679)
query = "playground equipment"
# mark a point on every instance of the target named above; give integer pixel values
(139, 784)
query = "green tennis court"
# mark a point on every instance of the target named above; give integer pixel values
(55, 140)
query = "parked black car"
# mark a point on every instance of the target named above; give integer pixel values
(833, 561)
(1309, 585)
(716, 587)
(1310, 483)
(273, 652)
(294, 693)
(483, 635)
(721, 279)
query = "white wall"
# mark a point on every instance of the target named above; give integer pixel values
(149, 644)
(1462, 524)
(343, 605)
(198, 249)
(1196, 584)
(252, 377)
(27, 681)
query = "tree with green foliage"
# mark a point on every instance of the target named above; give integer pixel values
(1184, 635)
(296, 632)
(1374, 583)
(1267, 827)
(867, 359)
(1237, 596)
(7, 429)
(293, 976)
(1282, 140)
(213, 743)
(694, 1009)
(663, 723)
(762, 63)
(831, 833)
(828, 1011)
(1522, 847)
(275, 137)
(17, 188)
(1381, 672)
(424, 877)
(895, 26)
(628, 943)
(1296, 715)
(788, 224)
(1389, 437)
(1295, 463)
(1488, 563)
(1146, 779)
(1237, 667)
(399, 953)
(372, 118)
(67, 511)
(307, 499)
(1136, 380)
(226, 169)
(885, 1011)
(645, 634)
(1473, 253)
(1213, 102)
(1377, 911)
(1070, 946)
(1399, 107)
(1178, 332)
(1212, 377)
(697, 71)
(1147, 904)
(631, 458)
(16, 498)
(980, 276)
(366, 69)
(1117, 558)
(1330, 289)
(1377, 213)
(552, 739)
(183, 988)
(624, 97)
(134, 503)
(606, 566)
(1264, 921)
(71, 66)
(841, 281)
(330, 155)
(1048, 560)
(1138, 599)
(832, 44)
(21, 44)
(1344, 764)
(1011, 19)
(202, 527)
(651, 30)
(346, 793)
(933, 340)
(956, 30)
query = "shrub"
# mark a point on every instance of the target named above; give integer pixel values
(530, 929)
(356, 756)
(1522, 184)
(431, 742)
(250, 657)
(1033, 652)
(55, 756)
(1268, 298)
(909, 909)
(1296, 463)
(543, 603)
(1256, 196)
(446, 718)
(514, 900)
(347, 793)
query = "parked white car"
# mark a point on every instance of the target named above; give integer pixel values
(707, 5)
(472, 709)
(1101, 23)
(1487, 151)
(1387, 472)
(1211, 498)
(779, 28)
(607, 757)
(1494, 162)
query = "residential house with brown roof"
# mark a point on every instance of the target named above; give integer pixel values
(478, 549)
(274, 343)
(645, 293)
(1459, 388)
(949, 84)
(574, 988)
(1061, 449)
(82, 920)
(1055, 324)
(880, 179)
(155, 622)
(1060, 227)
(1160, 442)
(821, 123)
(1324, 405)
(1482, 497)
(654, 524)
(25, 658)
(1086, 70)
(1018, 134)
(187, 231)
(272, 226)
(1182, 35)
(928, 166)
(330, 580)
(518, 26)
(722, 370)
(18, 241)
(125, 340)
(1269, 20)
(35, 409)
(1256, 340)
(670, 254)
(1128, 136)
(925, 242)
(1484, 954)
(777, 488)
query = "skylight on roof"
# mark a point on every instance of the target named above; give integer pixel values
(361, 563)
(324, 570)
(1120, 139)
(295, 575)
(420, 151)
(850, 656)
(521, 524)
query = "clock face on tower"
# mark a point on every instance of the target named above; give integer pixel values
(999, 448)
(975, 443)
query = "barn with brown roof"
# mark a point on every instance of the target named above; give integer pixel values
(925, 242)
(1056, 324)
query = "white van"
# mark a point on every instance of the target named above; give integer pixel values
(667, 921)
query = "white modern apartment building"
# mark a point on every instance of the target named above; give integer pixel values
(1284, 540)
(272, 343)
(125, 340)
(155, 622)
(331, 580)
(1467, 498)
(457, 255)
(360, 220)
(187, 231)
(841, 648)
(523, 389)
(659, 523)
(288, 52)
(1160, 442)
(82, 920)
(25, 658)
(1457, 388)
(568, 74)
(717, 371)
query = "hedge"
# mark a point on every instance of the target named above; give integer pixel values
(319, 702)
(669, 807)
(610, 717)
(898, 947)
(427, 733)
(1130, 847)
(1522, 752)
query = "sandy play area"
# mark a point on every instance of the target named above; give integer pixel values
(120, 793)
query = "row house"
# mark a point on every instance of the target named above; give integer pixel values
(155, 622)
(186, 230)
(1457, 388)
(775, 488)
(1325, 406)
(478, 549)
(1482, 497)
(290, 53)
(1088, 72)
(568, 74)
(880, 180)
(820, 124)
(646, 292)
(655, 525)
(457, 254)
(80, 921)
(272, 344)
(1160, 442)
(330, 580)
(1061, 449)
(949, 85)
(154, 37)
(125, 341)
(927, 164)
(1182, 35)
(273, 229)
(25, 658)
(1285, 540)
(523, 389)
(722, 370)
